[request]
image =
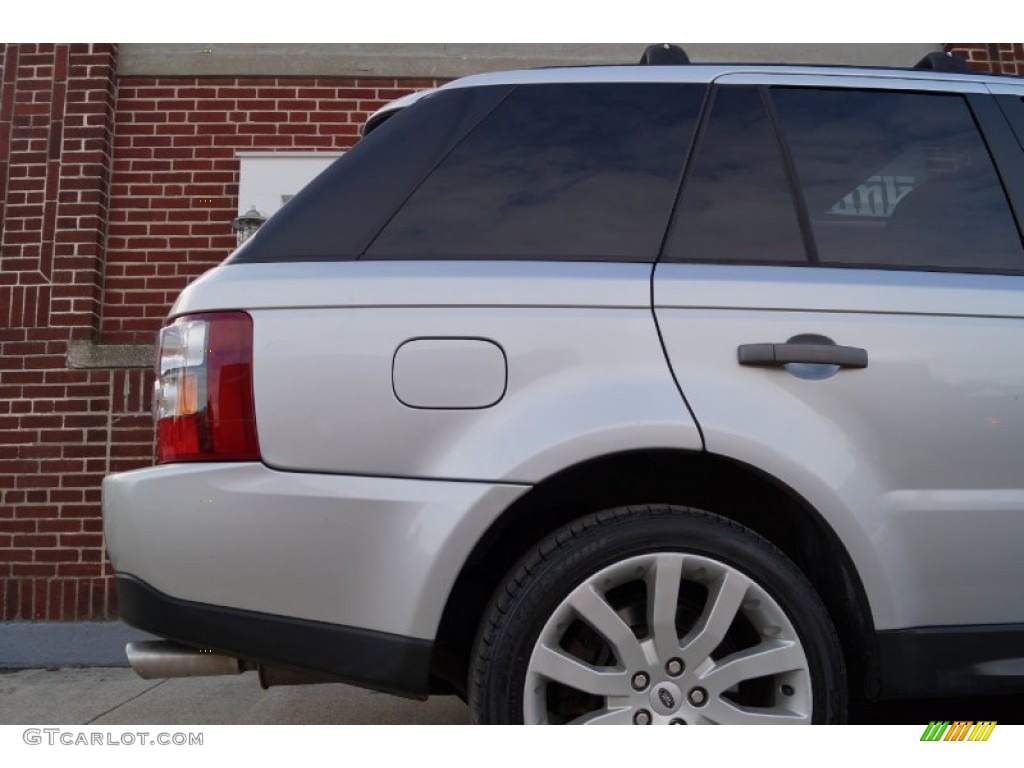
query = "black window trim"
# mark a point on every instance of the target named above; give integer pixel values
(796, 190)
(1003, 147)
(795, 193)
(1012, 107)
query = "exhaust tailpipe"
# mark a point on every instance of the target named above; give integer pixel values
(159, 659)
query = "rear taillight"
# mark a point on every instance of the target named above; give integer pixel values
(203, 401)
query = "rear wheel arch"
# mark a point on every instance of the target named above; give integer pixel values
(706, 481)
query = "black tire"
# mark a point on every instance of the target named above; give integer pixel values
(777, 616)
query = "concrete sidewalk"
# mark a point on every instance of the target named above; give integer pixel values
(117, 696)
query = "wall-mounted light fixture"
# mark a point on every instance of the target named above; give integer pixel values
(247, 224)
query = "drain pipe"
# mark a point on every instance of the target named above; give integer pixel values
(272, 676)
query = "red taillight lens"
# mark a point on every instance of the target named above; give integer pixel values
(203, 402)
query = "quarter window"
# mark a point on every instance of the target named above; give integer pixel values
(556, 171)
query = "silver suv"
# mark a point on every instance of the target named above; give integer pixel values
(632, 394)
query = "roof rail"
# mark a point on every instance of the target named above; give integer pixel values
(944, 62)
(664, 54)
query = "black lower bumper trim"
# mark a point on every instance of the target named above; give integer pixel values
(952, 661)
(367, 658)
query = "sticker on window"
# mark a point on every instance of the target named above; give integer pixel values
(876, 197)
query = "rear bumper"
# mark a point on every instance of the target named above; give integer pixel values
(376, 554)
(376, 660)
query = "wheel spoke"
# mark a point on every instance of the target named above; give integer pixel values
(619, 716)
(724, 601)
(594, 609)
(726, 713)
(661, 604)
(760, 661)
(561, 668)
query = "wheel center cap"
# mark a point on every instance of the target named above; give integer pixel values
(666, 698)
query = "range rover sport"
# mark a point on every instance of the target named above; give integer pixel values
(630, 394)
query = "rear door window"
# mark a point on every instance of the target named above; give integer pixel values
(897, 179)
(581, 171)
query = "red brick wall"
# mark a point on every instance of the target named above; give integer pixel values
(997, 58)
(113, 195)
(56, 425)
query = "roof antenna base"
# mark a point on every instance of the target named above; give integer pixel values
(944, 62)
(664, 54)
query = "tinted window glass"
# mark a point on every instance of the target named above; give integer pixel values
(736, 204)
(338, 213)
(556, 171)
(898, 179)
